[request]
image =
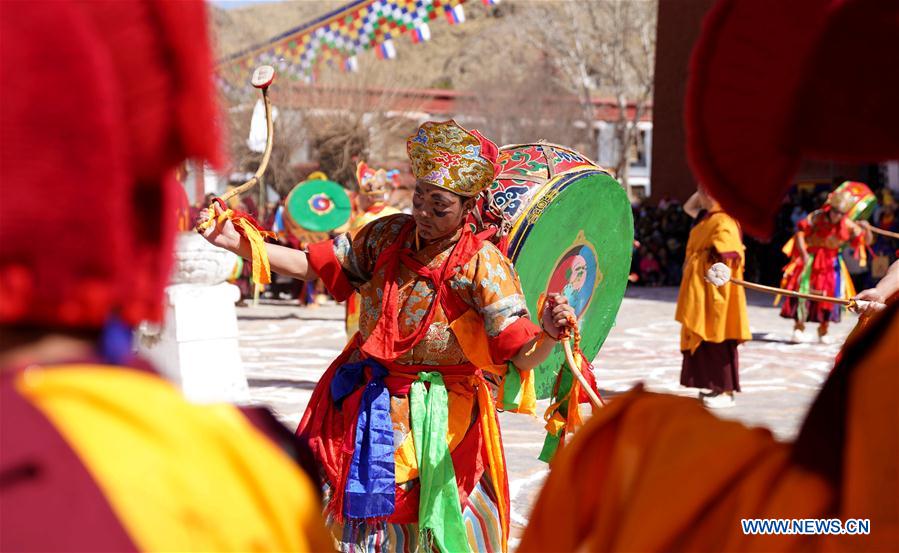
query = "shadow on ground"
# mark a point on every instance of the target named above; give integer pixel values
(281, 317)
(766, 337)
(281, 383)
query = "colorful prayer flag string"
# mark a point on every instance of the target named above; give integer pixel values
(454, 14)
(338, 37)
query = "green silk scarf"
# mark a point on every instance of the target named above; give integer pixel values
(439, 509)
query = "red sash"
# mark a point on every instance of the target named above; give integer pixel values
(385, 343)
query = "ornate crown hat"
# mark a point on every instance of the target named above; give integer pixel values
(446, 155)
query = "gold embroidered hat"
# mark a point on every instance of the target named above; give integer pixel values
(446, 155)
(372, 182)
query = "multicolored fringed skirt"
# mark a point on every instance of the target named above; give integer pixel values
(426, 471)
(825, 274)
(480, 514)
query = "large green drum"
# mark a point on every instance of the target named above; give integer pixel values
(569, 229)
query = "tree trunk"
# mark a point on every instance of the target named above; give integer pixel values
(591, 135)
(623, 139)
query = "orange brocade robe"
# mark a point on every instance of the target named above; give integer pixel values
(454, 308)
(706, 312)
(641, 454)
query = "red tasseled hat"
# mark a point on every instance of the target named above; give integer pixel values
(101, 101)
(773, 82)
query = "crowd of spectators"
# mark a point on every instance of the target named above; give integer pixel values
(660, 239)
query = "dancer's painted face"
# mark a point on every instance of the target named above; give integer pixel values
(438, 213)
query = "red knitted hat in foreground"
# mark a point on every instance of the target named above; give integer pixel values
(774, 82)
(101, 101)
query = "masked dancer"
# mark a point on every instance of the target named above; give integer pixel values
(404, 421)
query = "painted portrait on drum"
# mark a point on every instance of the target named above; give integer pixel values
(576, 276)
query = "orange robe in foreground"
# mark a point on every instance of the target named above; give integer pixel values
(659, 473)
(709, 313)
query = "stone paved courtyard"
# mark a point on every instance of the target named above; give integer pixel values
(286, 348)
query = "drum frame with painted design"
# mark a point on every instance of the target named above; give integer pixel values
(576, 227)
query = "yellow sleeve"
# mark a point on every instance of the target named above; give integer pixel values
(727, 238)
(179, 476)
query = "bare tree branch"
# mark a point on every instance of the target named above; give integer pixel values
(596, 48)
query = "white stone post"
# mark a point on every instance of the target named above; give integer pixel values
(196, 348)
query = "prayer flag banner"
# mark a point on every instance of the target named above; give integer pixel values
(339, 36)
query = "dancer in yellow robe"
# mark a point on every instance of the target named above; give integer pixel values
(713, 319)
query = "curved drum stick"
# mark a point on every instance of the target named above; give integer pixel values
(262, 79)
(572, 364)
(887, 233)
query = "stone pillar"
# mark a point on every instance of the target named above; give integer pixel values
(196, 347)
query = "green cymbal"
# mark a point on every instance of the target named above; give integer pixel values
(318, 205)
